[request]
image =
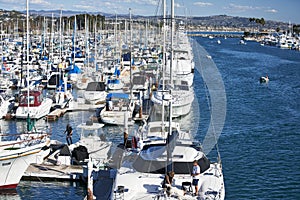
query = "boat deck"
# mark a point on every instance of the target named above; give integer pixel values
(53, 172)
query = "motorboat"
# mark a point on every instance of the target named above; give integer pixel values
(182, 97)
(91, 145)
(264, 79)
(33, 104)
(117, 106)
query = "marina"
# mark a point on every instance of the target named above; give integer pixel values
(139, 85)
(92, 109)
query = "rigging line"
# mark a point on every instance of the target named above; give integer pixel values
(157, 8)
(208, 101)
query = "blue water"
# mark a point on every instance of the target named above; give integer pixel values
(259, 145)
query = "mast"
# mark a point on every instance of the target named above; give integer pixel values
(172, 35)
(52, 37)
(74, 36)
(27, 51)
(130, 50)
(163, 65)
(169, 153)
(60, 47)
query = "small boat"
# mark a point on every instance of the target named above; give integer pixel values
(264, 79)
(219, 41)
(242, 42)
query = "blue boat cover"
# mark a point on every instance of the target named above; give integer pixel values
(73, 69)
(117, 96)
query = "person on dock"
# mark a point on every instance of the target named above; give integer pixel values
(69, 132)
(196, 175)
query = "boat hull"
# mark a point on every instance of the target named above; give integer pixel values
(34, 112)
(14, 163)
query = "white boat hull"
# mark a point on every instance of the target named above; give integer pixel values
(94, 97)
(115, 118)
(13, 164)
(34, 112)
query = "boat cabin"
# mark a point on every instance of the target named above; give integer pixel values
(35, 99)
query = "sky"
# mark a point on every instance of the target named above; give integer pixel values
(278, 10)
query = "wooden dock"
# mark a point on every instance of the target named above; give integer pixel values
(55, 114)
(53, 172)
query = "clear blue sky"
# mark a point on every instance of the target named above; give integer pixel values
(279, 10)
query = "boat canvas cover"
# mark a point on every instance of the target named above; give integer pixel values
(117, 96)
(54, 80)
(153, 166)
(96, 86)
(139, 80)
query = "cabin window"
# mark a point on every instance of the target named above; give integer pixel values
(24, 100)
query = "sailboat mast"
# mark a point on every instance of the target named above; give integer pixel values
(52, 37)
(60, 47)
(130, 51)
(163, 63)
(169, 153)
(172, 36)
(27, 51)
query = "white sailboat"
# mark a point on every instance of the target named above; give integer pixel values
(95, 93)
(33, 104)
(17, 155)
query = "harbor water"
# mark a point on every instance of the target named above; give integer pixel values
(259, 145)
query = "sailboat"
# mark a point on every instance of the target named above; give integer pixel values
(16, 155)
(33, 104)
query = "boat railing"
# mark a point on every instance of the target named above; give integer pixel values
(26, 140)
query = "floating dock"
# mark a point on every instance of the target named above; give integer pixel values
(55, 114)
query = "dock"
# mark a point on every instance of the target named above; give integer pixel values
(221, 34)
(48, 172)
(59, 112)
(55, 114)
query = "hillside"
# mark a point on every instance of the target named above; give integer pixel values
(218, 22)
